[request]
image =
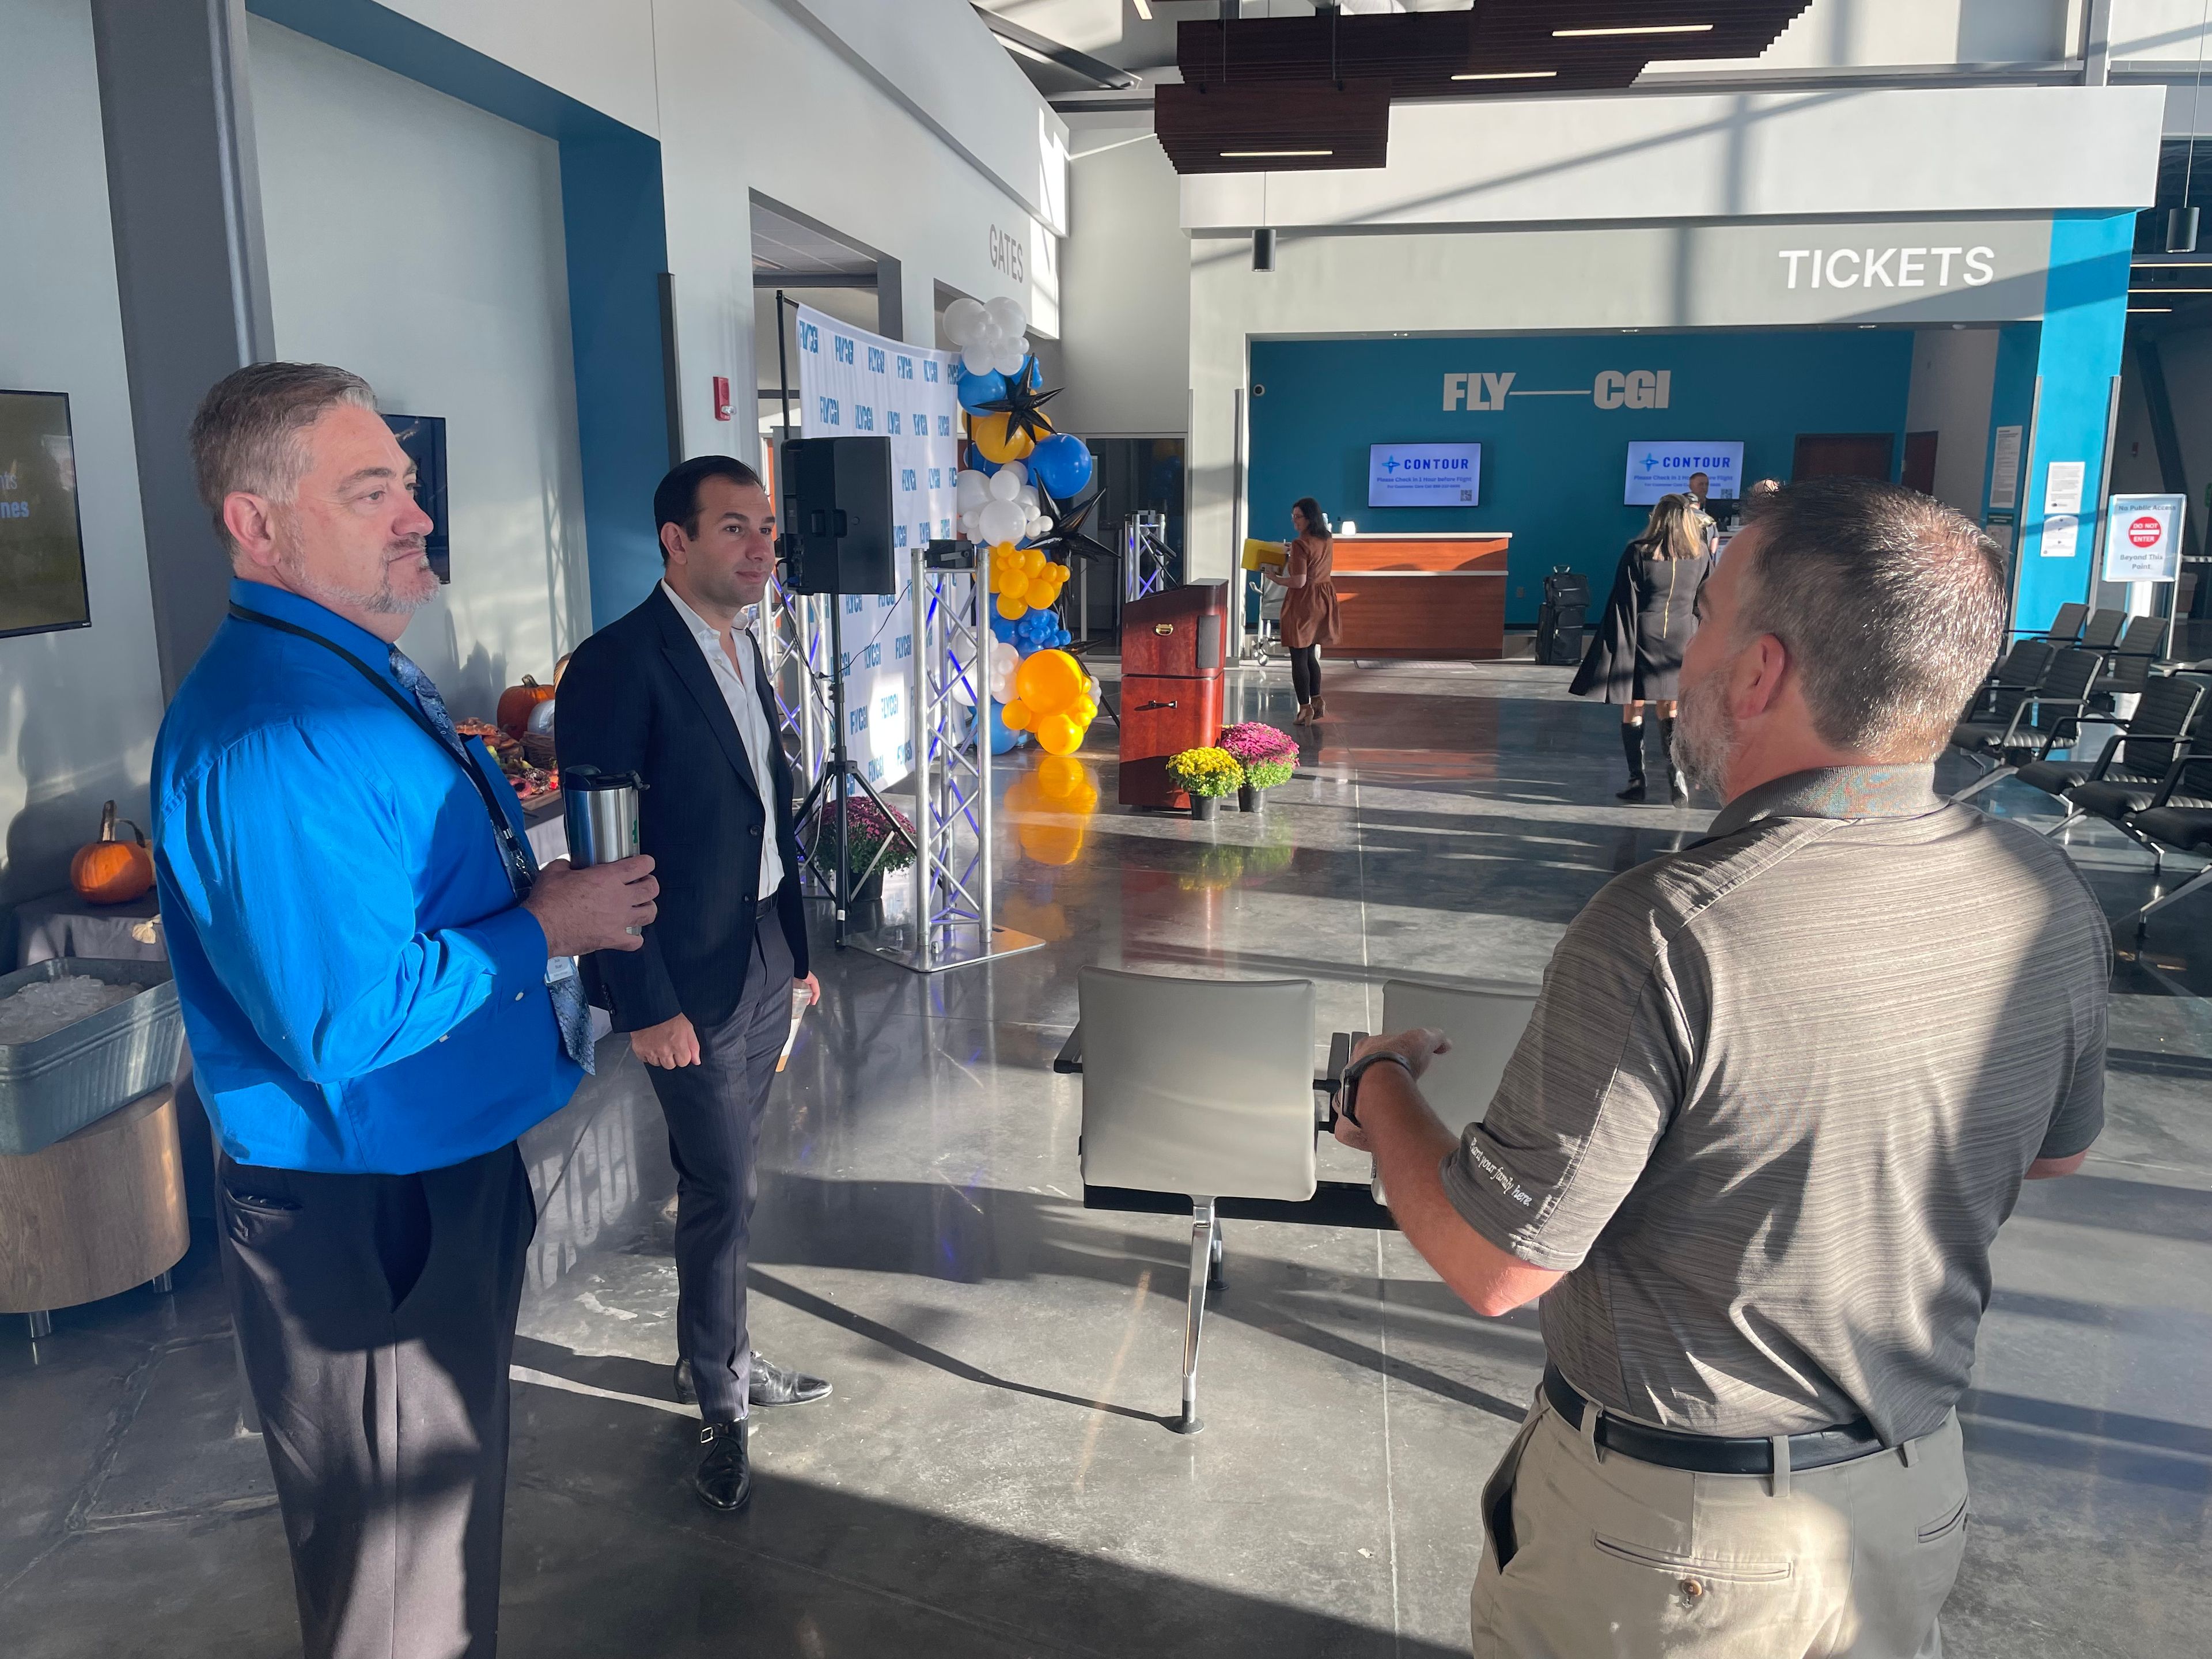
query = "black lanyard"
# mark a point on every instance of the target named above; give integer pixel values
(513, 851)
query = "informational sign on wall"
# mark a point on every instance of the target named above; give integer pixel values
(2062, 535)
(2062, 486)
(1664, 468)
(2004, 470)
(1424, 475)
(855, 383)
(2143, 538)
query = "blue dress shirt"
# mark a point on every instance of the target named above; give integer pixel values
(361, 991)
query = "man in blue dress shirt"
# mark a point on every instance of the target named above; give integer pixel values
(380, 991)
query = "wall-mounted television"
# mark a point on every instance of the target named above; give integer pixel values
(423, 438)
(1424, 475)
(1657, 468)
(41, 536)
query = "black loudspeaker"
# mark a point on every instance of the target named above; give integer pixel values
(837, 493)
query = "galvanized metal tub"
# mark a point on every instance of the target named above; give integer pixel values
(53, 1086)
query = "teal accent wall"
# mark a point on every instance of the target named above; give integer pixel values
(1552, 467)
(2077, 354)
(615, 219)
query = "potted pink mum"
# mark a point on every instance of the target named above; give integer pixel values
(1266, 756)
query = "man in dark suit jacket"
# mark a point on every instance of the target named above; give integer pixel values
(676, 693)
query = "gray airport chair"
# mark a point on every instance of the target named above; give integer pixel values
(1485, 1025)
(1197, 1087)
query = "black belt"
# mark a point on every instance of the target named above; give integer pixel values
(1706, 1454)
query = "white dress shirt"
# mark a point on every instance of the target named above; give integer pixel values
(735, 681)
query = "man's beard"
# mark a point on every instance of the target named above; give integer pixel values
(1704, 731)
(385, 600)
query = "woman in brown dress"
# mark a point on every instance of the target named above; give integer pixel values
(1309, 618)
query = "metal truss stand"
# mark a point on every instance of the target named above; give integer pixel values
(951, 926)
(1147, 558)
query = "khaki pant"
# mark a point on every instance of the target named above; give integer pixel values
(1605, 1556)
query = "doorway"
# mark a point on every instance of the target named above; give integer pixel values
(1845, 455)
(1919, 471)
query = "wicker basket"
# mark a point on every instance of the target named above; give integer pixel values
(537, 748)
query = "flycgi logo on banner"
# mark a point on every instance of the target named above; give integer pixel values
(851, 382)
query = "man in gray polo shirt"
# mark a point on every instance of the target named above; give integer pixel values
(1780, 1091)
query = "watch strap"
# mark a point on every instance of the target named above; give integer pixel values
(1353, 1073)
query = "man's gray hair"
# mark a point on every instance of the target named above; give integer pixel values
(247, 432)
(1890, 604)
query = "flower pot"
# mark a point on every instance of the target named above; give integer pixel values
(1202, 807)
(865, 913)
(1250, 799)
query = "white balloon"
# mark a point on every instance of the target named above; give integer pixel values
(971, 523)
(1020, 473)
(1034, 529)
(1008, 359)
(975, 360)
(1027, 496)
(962, 318)
(1005, 484)
(1007, 316)
(1002, 521)
(1044, 524)
(974, 488)
(1004, 658)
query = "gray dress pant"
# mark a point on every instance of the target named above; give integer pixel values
(376, 1316)
(714, 1112)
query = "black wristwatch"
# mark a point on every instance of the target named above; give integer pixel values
(1348, 1093)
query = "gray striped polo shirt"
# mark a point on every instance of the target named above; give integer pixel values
(1779, 1093)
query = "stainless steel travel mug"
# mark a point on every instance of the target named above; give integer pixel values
(600, 809)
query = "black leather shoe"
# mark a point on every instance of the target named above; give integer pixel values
(1634, 791)
(725, 1479)
(774, 1385)
(1678, 786)
(685, 1394)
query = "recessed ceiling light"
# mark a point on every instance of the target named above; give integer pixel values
(1144, 9)
(1246, 154)
(2137, 310)
(1509, 75)
(1633, 28)
(2163, 289)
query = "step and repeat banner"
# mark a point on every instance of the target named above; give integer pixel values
(856, 384)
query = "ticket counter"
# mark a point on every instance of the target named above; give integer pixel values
(1438, 598)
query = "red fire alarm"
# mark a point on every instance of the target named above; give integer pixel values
(721, 397)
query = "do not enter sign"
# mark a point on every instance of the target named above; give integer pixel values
(2143, 538)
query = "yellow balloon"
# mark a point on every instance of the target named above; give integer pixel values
(1086, 711)
(1050, 681)
(1032, 560)
(1017, 715)
(1058, 735)
(998, 438)
(1012, 607)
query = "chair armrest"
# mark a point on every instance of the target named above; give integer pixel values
(2112, 748)
(2066, 722)
(1330, 1085)
(1068, 1062)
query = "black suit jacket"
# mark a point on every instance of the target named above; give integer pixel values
(638, 697)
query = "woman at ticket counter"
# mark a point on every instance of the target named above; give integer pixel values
(1310, 615)
(1635, 656)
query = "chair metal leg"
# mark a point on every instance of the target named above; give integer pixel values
(2142, 916)
(41, 1322)
(1201, 1263)
(1992, 775)
(2073, 816)
(1213, 1278)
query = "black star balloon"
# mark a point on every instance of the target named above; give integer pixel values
(1023, 404)
(1068, 540)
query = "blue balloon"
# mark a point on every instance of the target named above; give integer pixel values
(1062, 465)
(1001, 628)
(976, 389)
(1002, 739)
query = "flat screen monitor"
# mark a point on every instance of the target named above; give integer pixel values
(1657, 467)
(423, 438)
(41, 536)
(1424, 475)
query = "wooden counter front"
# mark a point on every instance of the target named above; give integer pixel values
(1433, 597)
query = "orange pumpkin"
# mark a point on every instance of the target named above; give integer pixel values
(110, 871)
(516, 702)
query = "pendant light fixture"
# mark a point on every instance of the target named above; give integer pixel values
(2181, 222)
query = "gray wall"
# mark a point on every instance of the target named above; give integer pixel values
(78, 710)
(1125, 284)
(417, 240)
(1953, 372)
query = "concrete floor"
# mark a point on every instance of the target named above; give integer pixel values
(993, 1475)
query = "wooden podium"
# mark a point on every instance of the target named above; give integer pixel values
(1172, 685)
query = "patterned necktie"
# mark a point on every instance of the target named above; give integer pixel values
(570, 1011)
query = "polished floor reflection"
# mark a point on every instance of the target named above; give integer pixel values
(993, 1475)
